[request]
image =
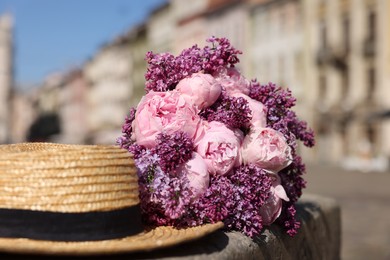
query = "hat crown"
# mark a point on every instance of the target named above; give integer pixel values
(66, 178)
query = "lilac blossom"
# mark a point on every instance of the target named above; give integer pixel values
(234, 112)
(163, 198)
(137, 150)
(252, 187)
(280, 117)
(161, 72)
(215, 205)
(165, 70)
(125, 141)
(292, 180)
(221, 53)
(173, 149)
(288, 219)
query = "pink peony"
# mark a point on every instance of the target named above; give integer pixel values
(272, 208)
(196, 172)
(219, 147)
(164, 111)
(201, 89)
(266, 148)
(232, 81)
(259, 111)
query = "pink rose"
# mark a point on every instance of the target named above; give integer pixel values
(201, 89)
(272, 208)
(259, 111)
(267, 148)
(232, 81)
(196, 171)
(164, 111)
(219, 147)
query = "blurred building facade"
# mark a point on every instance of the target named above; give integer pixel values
(161, 28)
(277, 43)
(333, 54)
(191, 26)
(45, 100)
(72, 108)
(347, 46)
(108, 75)
(230, 19)
(138, 49)
(23, 114)
(6, 74)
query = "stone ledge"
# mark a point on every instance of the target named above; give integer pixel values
(318, 238)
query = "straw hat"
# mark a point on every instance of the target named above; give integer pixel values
(76, 200)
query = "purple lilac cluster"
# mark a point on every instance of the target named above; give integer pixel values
(232, 199)
(280, 117)
(125, 140)
(233, 112)
(165, 70)
(215, 205)
(248, 198)
(239, 196)
(220, 54)
(288, 221)
(164, 196)
(173, 149)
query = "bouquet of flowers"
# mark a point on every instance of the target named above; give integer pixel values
(212, 146)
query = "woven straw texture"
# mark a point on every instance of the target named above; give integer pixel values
(78, 178)
(66, 178)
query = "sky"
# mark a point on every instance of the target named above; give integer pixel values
(55, 35)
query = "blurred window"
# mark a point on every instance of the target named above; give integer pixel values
(344, 137)
(282, 76)
(371, 134)
(371, 83)
(282, 21)
(345, 83)
(372, 25)
(346, 34)
(323, 127)
(322, 88)
(323, 35)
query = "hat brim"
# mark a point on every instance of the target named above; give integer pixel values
(156, 238)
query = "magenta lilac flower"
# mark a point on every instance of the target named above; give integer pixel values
(137, 150)
(160, 72)
(292, 179)
(125, 140)
(213, 206)
(251, 190)
(164, 198)
(288, 219)
(233, 112)
(173, 149)
(221, 53)
(164, 70)
(280, 117)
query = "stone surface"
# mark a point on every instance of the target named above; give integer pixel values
(318, 238)
(365, 202)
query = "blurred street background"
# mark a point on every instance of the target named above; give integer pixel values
(364, 198)
(334, 55)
